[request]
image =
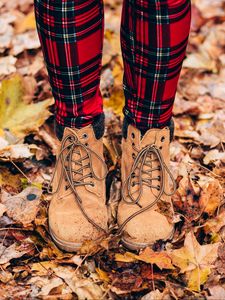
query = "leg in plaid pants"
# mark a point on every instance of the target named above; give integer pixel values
(154, 36)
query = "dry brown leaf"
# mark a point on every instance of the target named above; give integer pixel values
(216, 293)
(200, 60)
(23, 207)
(211, 196)
(24, 41)
(182, 106)
(157, 295)
(210, 8)
(42, 286)
(6, 31)
(7, 65)
(2, 209)
(214, 156)
(5, 276)
(83, 288)
(215, 224)
(8, 253)
(18, 151)
(161, 259)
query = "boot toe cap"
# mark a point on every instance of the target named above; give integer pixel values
(69, 227)
(145, 229)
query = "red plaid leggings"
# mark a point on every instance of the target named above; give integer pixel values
(154, 36)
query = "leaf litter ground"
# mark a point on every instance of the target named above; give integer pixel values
(192, 265)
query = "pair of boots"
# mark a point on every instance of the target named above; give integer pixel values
(78, 211)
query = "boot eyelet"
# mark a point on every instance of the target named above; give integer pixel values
(133, 144)
(162, 138)
(86, 144)
(159, 178)
(92, 183)
(160, 147)
(132, 135)
(133, 184)
(85, 136)
(158, 187)
(133, 155)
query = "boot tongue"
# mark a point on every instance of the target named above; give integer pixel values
(79, 152)
(151, 137)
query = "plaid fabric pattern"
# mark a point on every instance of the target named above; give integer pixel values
(71, 35)
(154, 36)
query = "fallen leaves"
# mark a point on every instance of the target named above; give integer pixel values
(214, 225)
(7, 65)
(23, 207)
(216, 292)
(17, 116)
(161, 259)
(8, 253)
(211, 196)
(32, 266)
(27, 23)
(195, 260)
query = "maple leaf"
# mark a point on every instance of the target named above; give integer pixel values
(195, 260)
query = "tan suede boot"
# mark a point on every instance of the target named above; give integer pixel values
(145, 211)
(77, 210)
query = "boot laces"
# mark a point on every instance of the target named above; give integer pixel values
(75, 177)
(143, 166)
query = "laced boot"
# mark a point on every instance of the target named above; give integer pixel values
(145, 212)
(77, 210)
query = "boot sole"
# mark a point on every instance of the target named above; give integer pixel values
(63, 245)
(138, 246)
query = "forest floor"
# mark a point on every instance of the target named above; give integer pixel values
(192, 265)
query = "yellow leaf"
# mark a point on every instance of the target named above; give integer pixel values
(195, 260)
(27, 23)
(126, 257)
(43, 268)
(20, 118)
(102, 275)
(116, 101)
(197, 277)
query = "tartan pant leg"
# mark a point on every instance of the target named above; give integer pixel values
(71, 37)
(154, 36)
